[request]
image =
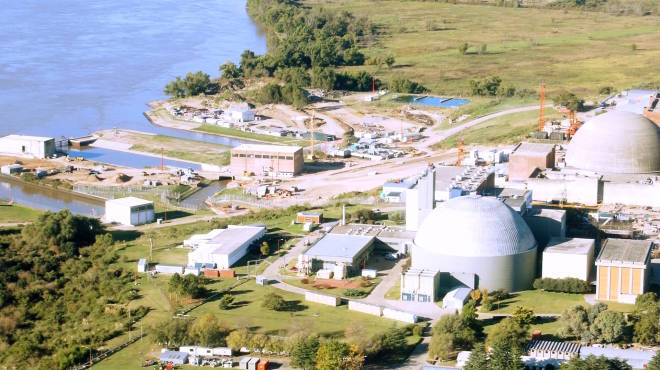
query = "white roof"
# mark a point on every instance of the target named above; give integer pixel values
(226, 241)
(128, 202)
(267, 148)
(474, 226)
(616, 142)
(27, 137)
(569, 246)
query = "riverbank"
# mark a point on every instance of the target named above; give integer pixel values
(167, 147)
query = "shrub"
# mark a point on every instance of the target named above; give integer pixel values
(418, 330)
(605, 90)
(463, 48)
(354, 293)
(226, 301)
(401, 84)
(567, 285)
(273, 302)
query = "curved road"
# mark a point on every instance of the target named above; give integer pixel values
(436, 138)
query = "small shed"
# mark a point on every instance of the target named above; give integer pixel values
(11, 169)
(142, 265)
(130, 211)
(313, 217)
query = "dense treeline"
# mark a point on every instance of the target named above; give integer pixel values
(60, 292)
(567, 285)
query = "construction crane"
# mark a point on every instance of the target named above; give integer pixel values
(541, 107)
(460, 152)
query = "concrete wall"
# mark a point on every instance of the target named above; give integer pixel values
(24, 146)
(512, 273)
(546, 224)
(404, 316)
(580, 190)
(632, 194)
(322, 299)
(522, 165)
(565, 265)
(365, 308)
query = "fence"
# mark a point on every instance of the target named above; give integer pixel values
(165, 195)
(100, 356)
(246, 199)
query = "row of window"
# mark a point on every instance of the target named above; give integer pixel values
(260, 156)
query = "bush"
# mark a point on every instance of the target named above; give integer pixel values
(570, 101)
(273, 302)
(606, 90)
(463, 48)
(486, 86)
(418, 330)
(400, 84)
(354, 293)
(226, 301)
(567, 285)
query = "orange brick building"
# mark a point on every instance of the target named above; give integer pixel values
(622, 270)
(266, 160)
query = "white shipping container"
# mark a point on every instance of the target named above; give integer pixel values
(322, 299)
(369, 273)
(404, 316)
(365, 308)
(222, 351)
(169, 269)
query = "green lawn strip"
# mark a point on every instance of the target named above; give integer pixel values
(341, 292)
(218, 130)
(542, 302)
(16, 213)
(394, 293)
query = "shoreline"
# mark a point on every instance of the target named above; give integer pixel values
(87, 197)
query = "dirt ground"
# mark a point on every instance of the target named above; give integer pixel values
(331, 283)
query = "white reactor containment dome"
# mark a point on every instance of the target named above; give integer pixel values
(616, 142)
(480, 236)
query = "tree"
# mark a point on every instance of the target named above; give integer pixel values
(259, 342)
(595, 363)
(172, 333)
(523, 316)
(463, 48)
(273, 302)
(654, 364)
(608, 326)
(207, 332)
(389, 60)
(574, 323)
(303, 351)
(570, 101)
(505, 356)
(509, 333)
(230, 70)
(478, 358)
(226, 301)
(451, 333)
(265, 248)
(239, 338)
(355, 358)
(330, 355)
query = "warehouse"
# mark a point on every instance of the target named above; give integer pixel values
(527, 157)
(266, 160)
(30, 146)
(333, 250)
(568, 258)
(130, 211)
(480, 242)
(223, 247)
(622, 269)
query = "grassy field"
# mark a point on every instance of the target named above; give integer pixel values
(395, 291)
(16, 213)
(542, 302)
(212, 129)
(187, 150)
(507, 129)
(574, 50)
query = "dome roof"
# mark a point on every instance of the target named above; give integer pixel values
(616, 142)
(474, 226)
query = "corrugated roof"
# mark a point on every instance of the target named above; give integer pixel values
(230, 239)
(266, 148)
(625, 250)
(339, 247)
(553, 346)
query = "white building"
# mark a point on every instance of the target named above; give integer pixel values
(223, 247)
(129, 211)
(240, 113)
(456, 298)
(419, 285)
(28, 146)
(564, 258)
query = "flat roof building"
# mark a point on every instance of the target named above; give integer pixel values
(527, 157)
(308, 216)
(568, 258)
(622, 270)
(419, 285)
(223, 247)
(130, 211)
(266, 160)
(351, 251)
(27, 146)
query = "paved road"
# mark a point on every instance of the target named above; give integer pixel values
(436, 138)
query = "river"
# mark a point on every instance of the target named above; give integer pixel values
(72, 67)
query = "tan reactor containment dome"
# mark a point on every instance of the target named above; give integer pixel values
(616, 142)
(481, 236)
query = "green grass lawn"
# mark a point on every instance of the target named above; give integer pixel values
(507, 129)
(325, 320)
(201, 156)
(575, 50)
(394, 293)
(17, 213)
(542, 302)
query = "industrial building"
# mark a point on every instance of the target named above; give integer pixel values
(395, 192)
(454, 181)
(528, 157)
(623, 270)
(307, 216)
(477, 242)
(420, 200)
(240, 112)
(130, 211)
(29, 146)
(455, 299)
(568, 258)
(338, 253)
(420, 285)
(223, 247)
(266, 160)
